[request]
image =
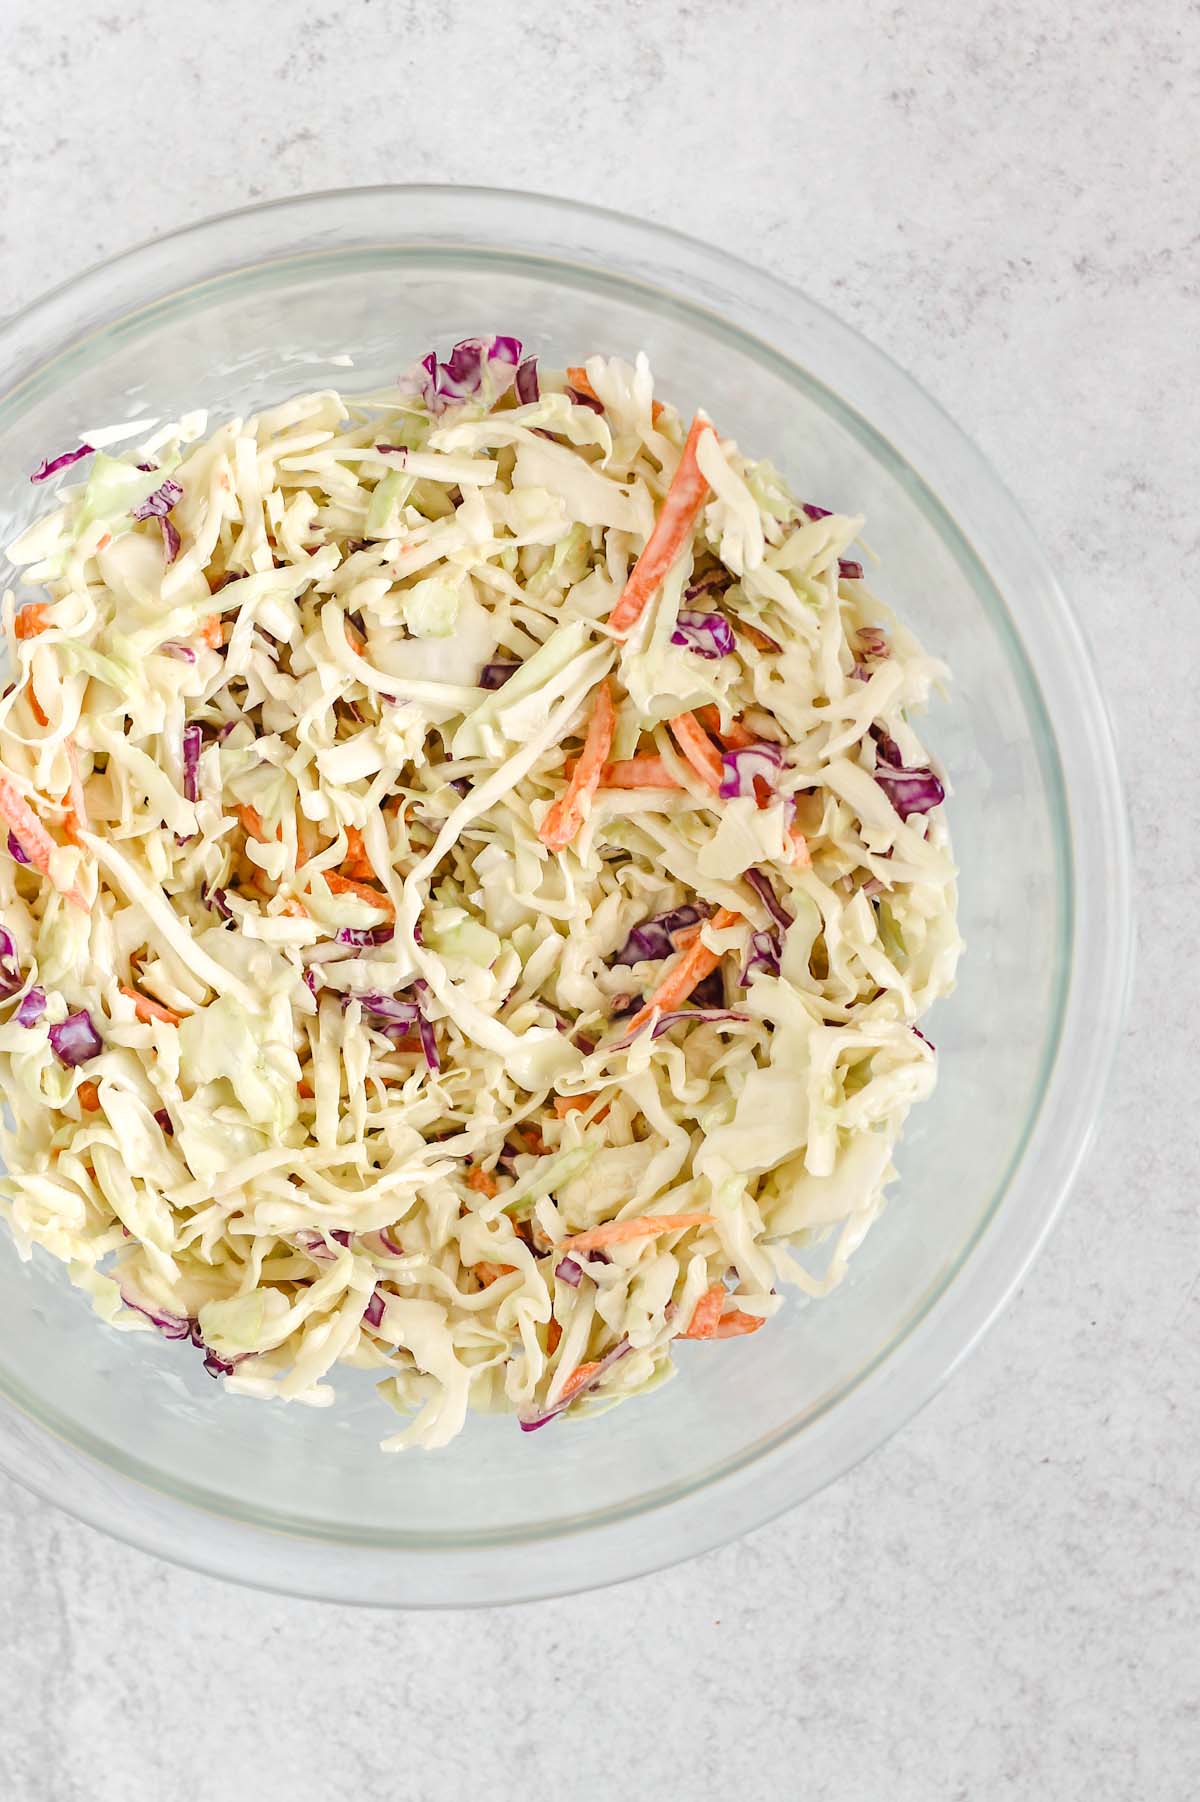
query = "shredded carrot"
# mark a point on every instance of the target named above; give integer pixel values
(565, 816)
(295, 910)
(620, 1232)
(76, 821)
(305, 1090)
(578, 378)
(578, 1379)
(699, 750)
(32, 619)
(801, 855)
(252, 824)
(710, 1321)
(553, 1337)
(147, 1010)
(89, 1097)
(736, 1322)
(482, 1181)
(758, 639)
(356, 862)
(489, 1273)
(348, 885)
(31, 835)
(570, 1104)
(210, 631)
(707, 1314)
(685, 937)
(693, 966)
(672, 529)
(638, 772)
(39, 712)
(734, 737)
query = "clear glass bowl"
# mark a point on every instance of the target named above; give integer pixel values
(125, 1430)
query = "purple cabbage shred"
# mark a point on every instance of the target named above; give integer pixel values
(651, 940)
(16, 849)
(32, 1007)
(708, 634)
(44, 471)
(909, 791)
(75, 1039)
(763, 761)
(158, 504)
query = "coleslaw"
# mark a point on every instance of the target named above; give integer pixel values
(472, 885)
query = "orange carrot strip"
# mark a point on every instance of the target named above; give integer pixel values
(32, 619)
(305, 1090)
(489, 1273)
(699, 750)
(31, 835)
(758, 639)
(553, 1337)
(147, 1010)
(252, 824)
(734, 737)
(39, 712)
(736, 1322)
(620, 1232)
(578, 378)
(347, 885)
(707, 1315)
(356, 862)
(570, 1104)
(578, 1379)
(672, 529)
(482, 1181)
(693, 966)
(76, 821)
(295, 910)
(565, 817)
(638, 772)
(89, 1097)
(801, 855)
(685, 937)
(210, 631)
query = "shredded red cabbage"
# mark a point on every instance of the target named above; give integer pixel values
(766, 952)
(44, 471)
(495, 675)
(171, 1326)
(568, 1271)
(813, 512)
(170, 538)
(709, 992)
(472, 364)
(527, 385)
(75, 1039)
(873, 642)
(392, 1246)
(909, 791)
(373, 1312)
(32, 1007)
(760, 882)
(158, 504)
(183, 652)
(584, 400)
(849, 569)
(364, 935)
(16, 849)
(531, 1422)
(762, 761)
(192, 739)
(716, 578)
(164, 1120)
(708, 634)
(652, 940)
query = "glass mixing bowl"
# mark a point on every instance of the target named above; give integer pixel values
(125, 1430)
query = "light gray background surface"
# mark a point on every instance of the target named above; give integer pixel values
(1002, 1603)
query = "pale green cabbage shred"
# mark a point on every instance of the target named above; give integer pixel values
(361, 601)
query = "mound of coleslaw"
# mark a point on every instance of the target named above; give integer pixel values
(471, 885)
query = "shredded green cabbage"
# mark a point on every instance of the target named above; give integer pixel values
(371, 1050)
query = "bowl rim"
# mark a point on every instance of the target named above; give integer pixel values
(1097, 830)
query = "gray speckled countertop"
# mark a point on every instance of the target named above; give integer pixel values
(1002, 1602)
